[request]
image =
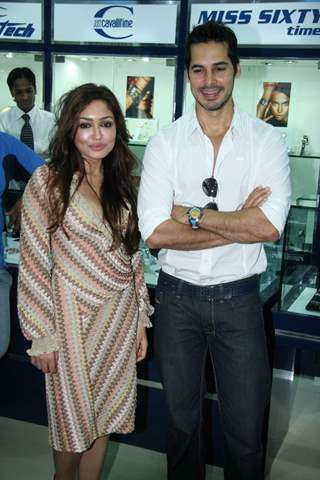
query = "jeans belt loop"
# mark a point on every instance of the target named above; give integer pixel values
(179, 287)
(228, 294)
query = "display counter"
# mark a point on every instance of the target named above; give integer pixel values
(296, 315)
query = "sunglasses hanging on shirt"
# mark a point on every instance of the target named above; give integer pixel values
(210, 188)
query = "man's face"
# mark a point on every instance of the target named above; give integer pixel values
(211, 75)
(279, 105)
(24, 94)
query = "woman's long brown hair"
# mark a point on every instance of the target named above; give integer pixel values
(118, 191)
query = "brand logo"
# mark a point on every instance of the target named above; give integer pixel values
(301, 22)
(115, 24)
(14, 29)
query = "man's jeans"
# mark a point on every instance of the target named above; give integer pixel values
(5, 284)
(189, 322)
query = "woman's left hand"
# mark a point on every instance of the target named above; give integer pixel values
(142, 343)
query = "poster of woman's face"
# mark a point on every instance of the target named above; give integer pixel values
(139, 97)
(273, 107)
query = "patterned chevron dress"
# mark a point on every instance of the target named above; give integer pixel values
(78, 297)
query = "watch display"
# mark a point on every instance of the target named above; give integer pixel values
(194, 215)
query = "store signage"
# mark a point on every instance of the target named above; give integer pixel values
(20, 21)
(295, 23)
(108, 25)
(124, 22)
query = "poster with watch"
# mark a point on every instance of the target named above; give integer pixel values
(139, 97)
(273, 106)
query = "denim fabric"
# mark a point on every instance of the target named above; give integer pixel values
(5, 284)
(190, 322)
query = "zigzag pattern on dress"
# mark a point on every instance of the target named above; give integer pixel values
(82, 295)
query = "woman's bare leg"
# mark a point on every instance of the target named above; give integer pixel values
(91, 461)
(66, 465)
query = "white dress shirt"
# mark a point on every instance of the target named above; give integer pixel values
(41, 121)
(179, 157)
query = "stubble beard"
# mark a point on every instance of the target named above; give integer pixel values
(214, 107)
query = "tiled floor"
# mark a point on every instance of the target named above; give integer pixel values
(294, 443)
(294, 432)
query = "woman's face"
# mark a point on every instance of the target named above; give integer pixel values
(96, 133)
(279, 105)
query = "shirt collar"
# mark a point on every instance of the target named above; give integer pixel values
(235, 127)
(18, 113)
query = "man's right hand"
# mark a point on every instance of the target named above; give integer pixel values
(257, 197)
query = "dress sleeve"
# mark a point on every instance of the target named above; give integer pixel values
(35, 301)
(145, 308)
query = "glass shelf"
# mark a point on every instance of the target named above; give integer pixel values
(300, 260)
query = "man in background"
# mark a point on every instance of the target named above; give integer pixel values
(26, 121)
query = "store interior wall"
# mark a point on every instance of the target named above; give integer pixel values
(113, 72)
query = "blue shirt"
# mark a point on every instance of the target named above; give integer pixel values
(27, 161)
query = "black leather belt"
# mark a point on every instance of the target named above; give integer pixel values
(218, 292)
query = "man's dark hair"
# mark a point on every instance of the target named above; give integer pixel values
(213, 32)
(18, 73)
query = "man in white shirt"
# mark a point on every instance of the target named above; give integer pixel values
(22, 85)
(207, 298)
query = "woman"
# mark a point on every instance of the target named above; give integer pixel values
(81, 285)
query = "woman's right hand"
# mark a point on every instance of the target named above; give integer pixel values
(46, 362)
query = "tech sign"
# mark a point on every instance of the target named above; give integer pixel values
(123, 22)
(20, 21)
(291, 23)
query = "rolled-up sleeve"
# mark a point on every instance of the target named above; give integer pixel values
(156, 191)
(274, 172)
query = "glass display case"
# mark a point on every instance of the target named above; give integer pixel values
(305, 179)
(300, 260)
(270, 279)
(297, 314)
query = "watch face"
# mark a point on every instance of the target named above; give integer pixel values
(194, 213)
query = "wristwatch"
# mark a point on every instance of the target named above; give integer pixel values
(263, 102)
(194, 215)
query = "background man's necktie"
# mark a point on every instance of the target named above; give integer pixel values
(26, 135)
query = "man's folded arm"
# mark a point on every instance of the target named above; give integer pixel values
(177, 236)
